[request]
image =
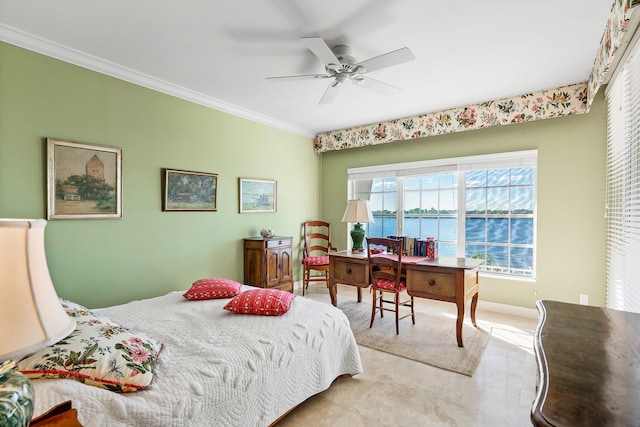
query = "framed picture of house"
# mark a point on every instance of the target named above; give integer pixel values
(189, 191)
(84, 181)
(258, 195)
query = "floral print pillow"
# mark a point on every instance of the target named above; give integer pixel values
(98, 352)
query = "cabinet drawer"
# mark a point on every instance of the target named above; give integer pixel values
(428, 283)
(277, 243)
(350, 273)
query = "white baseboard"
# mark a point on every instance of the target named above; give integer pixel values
(513, 310)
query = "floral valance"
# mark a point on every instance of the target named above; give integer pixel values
(518, 109)
(566, 100)
(617, 25)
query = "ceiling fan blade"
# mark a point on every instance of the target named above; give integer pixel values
(299, 77)
(386, 60)
(377, 86)
(322, 51)
(330, 93)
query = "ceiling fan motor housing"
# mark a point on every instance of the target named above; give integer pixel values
(346, 66)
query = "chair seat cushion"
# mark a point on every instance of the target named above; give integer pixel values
(388, 284)
(316, 260)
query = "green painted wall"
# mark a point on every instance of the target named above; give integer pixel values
(571, 228)
(148, 252)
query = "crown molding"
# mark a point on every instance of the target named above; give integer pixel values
(45, 47)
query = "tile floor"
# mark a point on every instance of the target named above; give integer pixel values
(393, 391)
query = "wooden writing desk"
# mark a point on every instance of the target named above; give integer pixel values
(588, 366)
(446, 279)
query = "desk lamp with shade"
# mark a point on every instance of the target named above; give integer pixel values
(357, 211)
(31, 315)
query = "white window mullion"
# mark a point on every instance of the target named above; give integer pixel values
(400, 206)
(462, 214)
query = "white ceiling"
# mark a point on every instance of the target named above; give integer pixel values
(218, 53)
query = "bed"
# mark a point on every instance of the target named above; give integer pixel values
(217, 367)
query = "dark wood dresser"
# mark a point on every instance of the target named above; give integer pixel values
(268, 262)
(588, 366)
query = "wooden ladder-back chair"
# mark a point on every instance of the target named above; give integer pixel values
(385, 275)
(317, 245)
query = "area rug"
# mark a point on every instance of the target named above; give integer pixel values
(432, 340)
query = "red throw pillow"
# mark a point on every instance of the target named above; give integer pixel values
(266, 302)
(212, 288)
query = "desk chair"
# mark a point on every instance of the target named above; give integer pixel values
(317, 245)
(385, 275)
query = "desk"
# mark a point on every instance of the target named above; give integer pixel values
(588, 366)
(446, 279)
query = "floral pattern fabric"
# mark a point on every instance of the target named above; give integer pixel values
(98, 352)
(546, 104)
(617, 26)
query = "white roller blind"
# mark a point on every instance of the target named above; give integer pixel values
(513, 159)
(623, 186)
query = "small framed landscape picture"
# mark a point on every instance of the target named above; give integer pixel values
(189, 191)
(258, 195)
(84, 181)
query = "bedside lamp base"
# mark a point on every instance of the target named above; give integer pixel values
(16, 396)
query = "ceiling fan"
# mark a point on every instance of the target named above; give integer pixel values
(341, 67)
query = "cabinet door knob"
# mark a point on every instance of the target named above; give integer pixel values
(432, 282)
(348, 271)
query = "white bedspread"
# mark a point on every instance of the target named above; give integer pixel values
(216, 367)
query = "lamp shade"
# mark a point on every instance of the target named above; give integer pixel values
(358, 211)
(31, 315)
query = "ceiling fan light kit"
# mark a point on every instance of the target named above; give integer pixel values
(341, 66)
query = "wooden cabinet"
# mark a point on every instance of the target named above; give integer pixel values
(268, 262)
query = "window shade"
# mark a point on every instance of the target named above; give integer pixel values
(487, 161)
(623, 185)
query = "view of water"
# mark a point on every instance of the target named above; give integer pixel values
(445, 231)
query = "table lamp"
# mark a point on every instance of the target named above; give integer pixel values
(31, 315)
(357, 211)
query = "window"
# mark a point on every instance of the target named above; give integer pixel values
(381, 193)
(623, 184)
(431, 209)
(499, 219)
(476, 207)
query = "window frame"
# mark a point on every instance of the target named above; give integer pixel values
(459, 166)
